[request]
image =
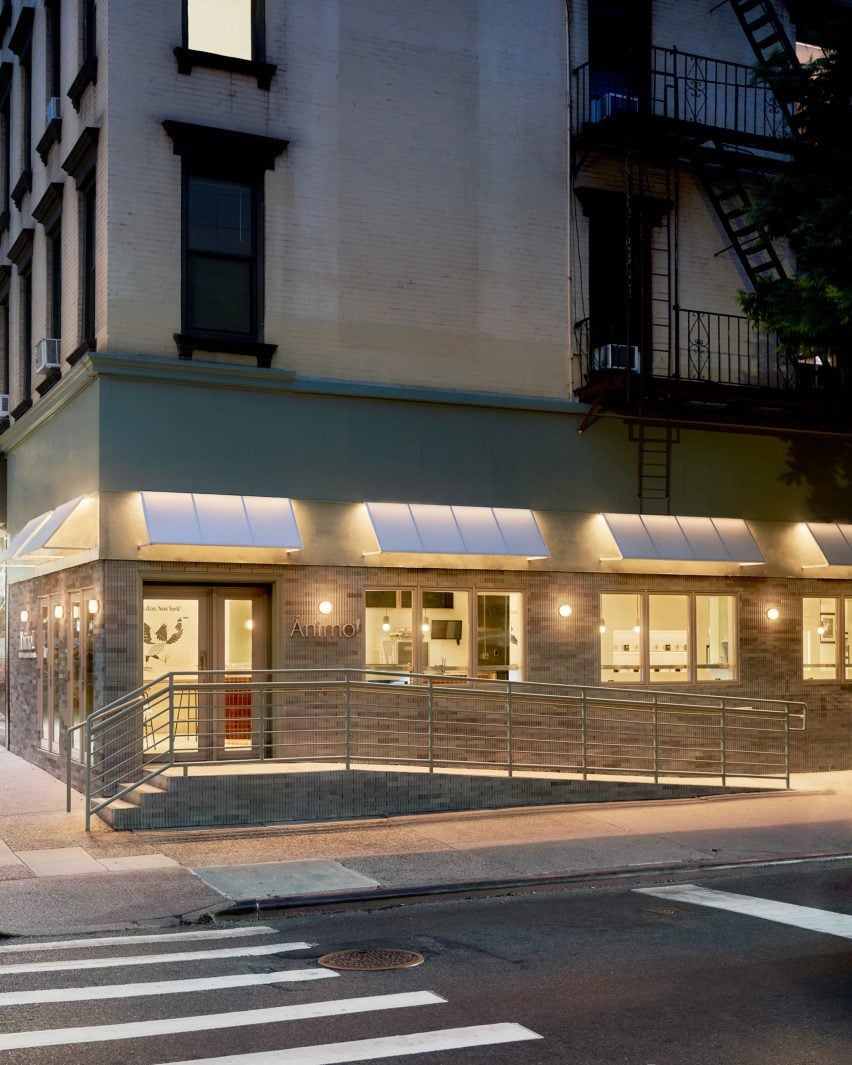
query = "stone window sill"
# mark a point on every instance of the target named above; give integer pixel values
(187, 58)
(86, 76)
(187, 343)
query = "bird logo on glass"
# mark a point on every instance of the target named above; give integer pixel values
(156, 644)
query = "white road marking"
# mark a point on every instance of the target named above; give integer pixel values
(112, 941)
(102, 1033)
(97, 992)
(833, 924)
(148, 959)
(390, 1046)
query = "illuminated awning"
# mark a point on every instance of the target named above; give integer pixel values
(189, 518)
(672, 539)
(433, 529)
(835, 542)
(54, 534)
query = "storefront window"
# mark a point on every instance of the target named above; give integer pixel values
(445, 631)
(44, 684)
(620, 632)
(58, 666)
(847, 627)
(388, 630)
(434, 632)
(170, 634)
(819, 639)
(668, 637)
(714, 637)
(499, 636)
(75, 693)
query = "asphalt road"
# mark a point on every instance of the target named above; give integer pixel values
(601, 974)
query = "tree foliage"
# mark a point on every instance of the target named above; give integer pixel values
(810, 204)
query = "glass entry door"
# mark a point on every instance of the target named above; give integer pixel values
(213, 638)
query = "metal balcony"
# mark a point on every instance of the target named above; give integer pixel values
(697, 92)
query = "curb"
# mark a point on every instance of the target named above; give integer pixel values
(255, 907)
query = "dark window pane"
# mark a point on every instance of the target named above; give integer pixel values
(220, 216)
(382, 598)
(219, 295)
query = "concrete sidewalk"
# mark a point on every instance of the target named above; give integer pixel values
(56, 878)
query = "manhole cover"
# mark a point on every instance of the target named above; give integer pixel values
(372, 960)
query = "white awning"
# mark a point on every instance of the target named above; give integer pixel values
(189, 518)
(436, 529)
(834, 540)
(673, 539)
(52, 535)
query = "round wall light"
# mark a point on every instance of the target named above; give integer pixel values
(773, 613)
(325, 607)
(59, 611)
(93, 606)
(25, 616)
(565, 611)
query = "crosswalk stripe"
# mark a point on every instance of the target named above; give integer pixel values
(834, 924)
(148, 959)
(97, 993)
(102, 1033)
(112, 941)
(390, 1046)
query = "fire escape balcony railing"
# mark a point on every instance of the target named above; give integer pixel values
(716, 349)
(727, 349)
(684, 87)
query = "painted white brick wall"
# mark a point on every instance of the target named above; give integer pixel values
(418, 228)
(415, 228)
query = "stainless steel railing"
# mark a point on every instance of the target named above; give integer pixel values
(359, 716)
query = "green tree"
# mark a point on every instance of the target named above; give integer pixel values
(810, 204)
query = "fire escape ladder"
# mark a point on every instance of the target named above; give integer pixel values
(763, 28)
(751, 242)
(767, 37)
(655, 466)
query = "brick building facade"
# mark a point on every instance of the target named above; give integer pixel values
(443, 254)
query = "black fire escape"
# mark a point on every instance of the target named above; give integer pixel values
(663, 115)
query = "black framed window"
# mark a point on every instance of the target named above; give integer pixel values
(222, 306)
(88, 259)
(224, 27)
(81, 165)
(6, 148)
(53, 83)
(55, 304)
(53, 50)
(220, 264)
(225, 35)
(88, 29)
(25, 295)
(87, 23)
(26, 109)
(4, 339)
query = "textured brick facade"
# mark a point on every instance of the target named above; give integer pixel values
(558, 650)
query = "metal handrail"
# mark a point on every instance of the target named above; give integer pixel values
(121, 750)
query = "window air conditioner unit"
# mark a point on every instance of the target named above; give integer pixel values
(4, 405)
(616, 357)
(612, 103)
(54, 110)
(46, 355)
